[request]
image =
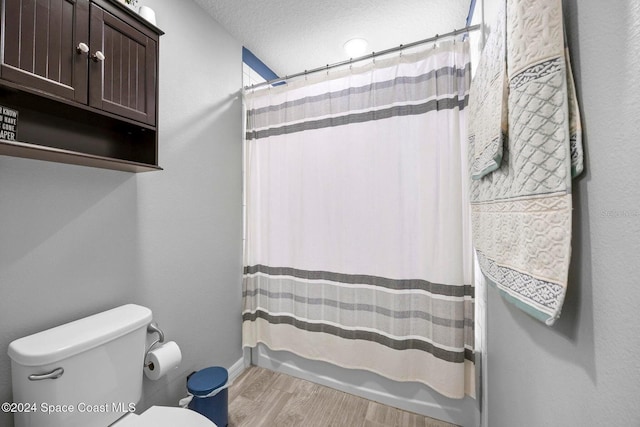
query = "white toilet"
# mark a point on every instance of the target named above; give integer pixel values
(88, 373)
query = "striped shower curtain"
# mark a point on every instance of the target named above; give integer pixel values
(357, 247)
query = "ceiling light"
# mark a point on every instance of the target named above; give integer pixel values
(355, 47)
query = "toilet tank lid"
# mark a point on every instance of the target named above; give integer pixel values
(66, 340)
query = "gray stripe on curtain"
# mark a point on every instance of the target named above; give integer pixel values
(446, 321)
(392, 314)
(396, 344)
(386, 113)
(302, 300)
(396, 284)
(400, 89)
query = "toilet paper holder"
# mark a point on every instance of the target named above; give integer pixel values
(153, 328)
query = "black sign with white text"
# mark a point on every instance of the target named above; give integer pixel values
(8, 123)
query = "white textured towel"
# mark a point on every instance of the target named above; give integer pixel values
(521, 211)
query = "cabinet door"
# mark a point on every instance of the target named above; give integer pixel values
(40, 39)
(124, 83)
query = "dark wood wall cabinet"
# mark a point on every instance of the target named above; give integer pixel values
(83, 76)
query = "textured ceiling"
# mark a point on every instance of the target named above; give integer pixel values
(296, 35)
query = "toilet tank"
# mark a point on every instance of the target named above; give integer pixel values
(102, 357)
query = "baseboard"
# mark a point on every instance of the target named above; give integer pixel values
(434, 409)
(236, 369)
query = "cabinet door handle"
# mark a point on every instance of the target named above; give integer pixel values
(98, 56)
(82, 48)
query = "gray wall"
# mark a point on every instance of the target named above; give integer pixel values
(75, 241)
(585, 370)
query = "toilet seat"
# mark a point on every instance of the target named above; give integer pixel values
(164, 416)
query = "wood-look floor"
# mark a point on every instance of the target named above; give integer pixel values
(263, 398)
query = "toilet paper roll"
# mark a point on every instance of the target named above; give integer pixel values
(161, 360)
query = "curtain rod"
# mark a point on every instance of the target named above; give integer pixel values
(369, 56)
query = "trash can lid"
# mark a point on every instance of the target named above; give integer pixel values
(206, 380)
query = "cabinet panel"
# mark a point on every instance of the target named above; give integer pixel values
(40, 39)
(124, 82)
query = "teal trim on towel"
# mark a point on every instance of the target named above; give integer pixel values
(536, 314)
(490, 168)
(483, 165)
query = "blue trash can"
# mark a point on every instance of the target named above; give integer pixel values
(210, 396)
